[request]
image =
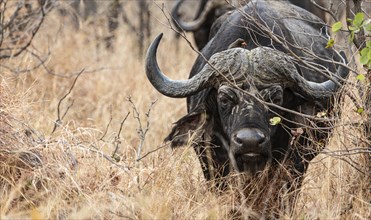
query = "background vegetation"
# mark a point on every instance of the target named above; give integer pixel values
(81, 132)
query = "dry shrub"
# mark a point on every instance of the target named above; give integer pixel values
(87, 168)
(337, 180)
(18, 155)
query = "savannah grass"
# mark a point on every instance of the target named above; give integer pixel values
(88, 167)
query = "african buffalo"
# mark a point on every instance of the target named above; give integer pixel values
(268, 58)
(210, 10)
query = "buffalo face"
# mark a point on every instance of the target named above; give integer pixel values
(245, 123)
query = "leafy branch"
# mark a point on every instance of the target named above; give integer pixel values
(361, 26)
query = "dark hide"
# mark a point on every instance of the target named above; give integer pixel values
(265, 59)
(206, 31)
(201, 35)
(298, 30)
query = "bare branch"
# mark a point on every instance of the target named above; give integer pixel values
(152, 151)
(142, 131)
(109, 122)
(96, 150)
(117, 138)
(59, 118)
(328, 10)
(19, 29)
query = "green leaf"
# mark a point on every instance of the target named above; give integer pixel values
(364, 51)
(368, 44)
(358, 19)
(322, 114)
(353, 28)
(275, 120)
(368, 27)
(330, 43)
(360, 110)
(351, 36)
(364, 59)
(336, 27)
(361, 77)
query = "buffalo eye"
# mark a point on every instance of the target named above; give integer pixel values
(226, 100)
(273, 94)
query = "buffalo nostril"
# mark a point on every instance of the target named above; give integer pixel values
(249, 137)
(237, 139)
(260, 137)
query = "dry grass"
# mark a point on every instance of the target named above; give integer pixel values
(87, 168)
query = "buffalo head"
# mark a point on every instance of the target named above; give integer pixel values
(239, 90)
(214, 7)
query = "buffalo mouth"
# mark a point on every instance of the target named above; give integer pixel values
(252, 157)
(249, 150)
(252, 162)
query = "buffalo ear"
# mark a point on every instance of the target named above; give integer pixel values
(187, 129)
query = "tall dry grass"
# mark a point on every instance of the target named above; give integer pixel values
(87, 167)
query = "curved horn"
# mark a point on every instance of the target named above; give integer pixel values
(169, 87)
(280, 69)
(198, 22)
(314, 90)
(341, 72)
(265, 65)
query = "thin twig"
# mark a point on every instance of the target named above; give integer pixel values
(33, 34)
(95, 150)
(142, 131)
(324, 9)
(152, 151)
(117, 138)
(59, 118)
(109, 122)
